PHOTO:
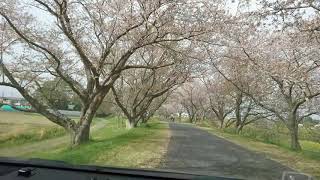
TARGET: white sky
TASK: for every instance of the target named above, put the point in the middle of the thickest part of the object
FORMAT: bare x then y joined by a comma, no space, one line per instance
43,18
9,92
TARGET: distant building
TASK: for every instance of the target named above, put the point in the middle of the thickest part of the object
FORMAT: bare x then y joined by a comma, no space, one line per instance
15,101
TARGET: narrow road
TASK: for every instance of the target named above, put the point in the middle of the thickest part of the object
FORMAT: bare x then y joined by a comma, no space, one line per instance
44,145
196,151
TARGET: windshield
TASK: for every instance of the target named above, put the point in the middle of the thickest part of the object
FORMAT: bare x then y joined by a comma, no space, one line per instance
220,88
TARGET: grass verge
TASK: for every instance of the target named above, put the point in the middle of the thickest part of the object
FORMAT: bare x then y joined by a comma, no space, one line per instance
18,128
306,161
33,136
114,145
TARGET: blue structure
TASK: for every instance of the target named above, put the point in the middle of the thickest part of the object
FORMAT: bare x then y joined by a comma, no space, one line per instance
9,108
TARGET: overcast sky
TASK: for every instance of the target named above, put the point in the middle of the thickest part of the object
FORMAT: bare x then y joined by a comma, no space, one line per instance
42,17
8,92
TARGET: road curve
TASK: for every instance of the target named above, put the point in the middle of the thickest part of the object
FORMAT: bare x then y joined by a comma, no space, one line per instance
196,151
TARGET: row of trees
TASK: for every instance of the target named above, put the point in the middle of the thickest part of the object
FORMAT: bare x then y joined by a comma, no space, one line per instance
238,66
287,92
259,70
92,45
264,67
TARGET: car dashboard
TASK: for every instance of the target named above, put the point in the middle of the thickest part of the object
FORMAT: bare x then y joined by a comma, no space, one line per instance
36,169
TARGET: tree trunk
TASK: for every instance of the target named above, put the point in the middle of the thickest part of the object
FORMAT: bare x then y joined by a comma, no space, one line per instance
82,132
203,117
239,128
82,135
130,123
238,121
196,119
238,113
221,123
294,131
144,120
191,118
180,116
295,144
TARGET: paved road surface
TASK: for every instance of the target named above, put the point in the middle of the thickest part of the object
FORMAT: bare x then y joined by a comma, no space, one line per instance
196,151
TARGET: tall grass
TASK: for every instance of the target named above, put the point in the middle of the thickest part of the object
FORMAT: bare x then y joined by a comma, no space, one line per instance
270,136
278,135
36,135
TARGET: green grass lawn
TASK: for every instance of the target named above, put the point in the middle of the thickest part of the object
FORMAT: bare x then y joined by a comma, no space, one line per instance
112,144
306,161
116,146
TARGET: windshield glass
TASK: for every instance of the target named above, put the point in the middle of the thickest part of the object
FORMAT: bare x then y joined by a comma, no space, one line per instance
220,88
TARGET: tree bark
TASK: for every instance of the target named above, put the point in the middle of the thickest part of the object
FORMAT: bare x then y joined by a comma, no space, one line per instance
238,112
130,123
221,120
191,119
221,124
180,116
239,128
144,120
221,114
82,135
82,132
294,133
295,144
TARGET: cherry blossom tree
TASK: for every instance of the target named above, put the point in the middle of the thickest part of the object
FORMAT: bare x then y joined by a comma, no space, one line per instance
87,44
284,78
140,92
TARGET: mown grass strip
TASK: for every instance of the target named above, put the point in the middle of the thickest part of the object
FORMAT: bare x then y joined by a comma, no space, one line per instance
117,146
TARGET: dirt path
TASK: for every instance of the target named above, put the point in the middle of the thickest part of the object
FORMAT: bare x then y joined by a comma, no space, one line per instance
44,145
193,150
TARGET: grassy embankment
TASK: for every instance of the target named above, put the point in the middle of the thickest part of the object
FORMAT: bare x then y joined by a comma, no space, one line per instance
141,147
110,145
274,143
18,128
